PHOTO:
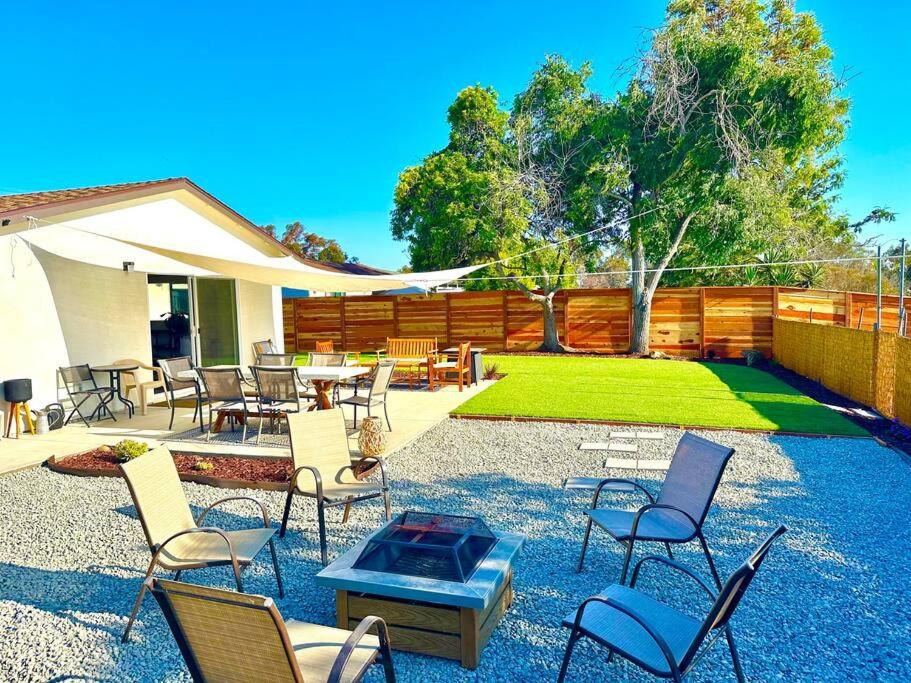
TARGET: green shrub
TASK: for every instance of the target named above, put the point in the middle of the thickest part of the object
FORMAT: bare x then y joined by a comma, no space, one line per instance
128,449
203,466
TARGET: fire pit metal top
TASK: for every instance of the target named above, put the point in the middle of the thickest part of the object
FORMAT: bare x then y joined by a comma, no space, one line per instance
444,547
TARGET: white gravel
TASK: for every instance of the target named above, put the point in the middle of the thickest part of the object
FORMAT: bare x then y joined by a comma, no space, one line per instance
831,602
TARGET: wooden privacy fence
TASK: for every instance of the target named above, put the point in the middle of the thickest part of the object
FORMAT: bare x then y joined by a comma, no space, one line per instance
873,368
696,322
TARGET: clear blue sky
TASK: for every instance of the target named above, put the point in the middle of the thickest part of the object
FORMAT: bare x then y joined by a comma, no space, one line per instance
310,110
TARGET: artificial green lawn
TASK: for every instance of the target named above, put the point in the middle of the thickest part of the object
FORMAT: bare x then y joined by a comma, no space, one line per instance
652,391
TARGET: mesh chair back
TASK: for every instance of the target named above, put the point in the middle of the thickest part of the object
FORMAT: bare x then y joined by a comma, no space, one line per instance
78,378
261,347
158,496
276,385
325,346
225,636
319,439
694,475
170,367
281,359
328,360
382,378
731,593
223,384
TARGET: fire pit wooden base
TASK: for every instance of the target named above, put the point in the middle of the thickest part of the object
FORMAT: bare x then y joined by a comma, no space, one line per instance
458,633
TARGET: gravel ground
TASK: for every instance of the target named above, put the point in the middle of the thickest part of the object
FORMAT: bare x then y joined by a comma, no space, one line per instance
831,602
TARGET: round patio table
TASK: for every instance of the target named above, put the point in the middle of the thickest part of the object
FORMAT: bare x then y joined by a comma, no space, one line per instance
114,370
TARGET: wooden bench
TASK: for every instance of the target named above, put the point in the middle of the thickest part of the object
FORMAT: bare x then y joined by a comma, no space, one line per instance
410,355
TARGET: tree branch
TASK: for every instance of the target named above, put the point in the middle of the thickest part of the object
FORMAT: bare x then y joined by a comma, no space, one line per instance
672,250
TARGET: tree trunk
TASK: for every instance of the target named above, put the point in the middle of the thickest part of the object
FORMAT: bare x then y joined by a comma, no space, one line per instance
551,335
642,316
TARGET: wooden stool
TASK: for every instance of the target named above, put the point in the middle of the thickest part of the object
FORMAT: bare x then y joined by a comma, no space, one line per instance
16,412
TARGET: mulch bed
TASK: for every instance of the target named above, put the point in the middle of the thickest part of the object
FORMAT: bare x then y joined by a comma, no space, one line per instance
225,468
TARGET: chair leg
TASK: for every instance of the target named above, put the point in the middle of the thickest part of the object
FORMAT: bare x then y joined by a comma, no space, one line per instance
347,511
588,531
136,605
738,669
708,557
386,413
669,553
281,533
355,415
278,572
177,574
626,560
323,549
387,504
573,639
173,409
237,579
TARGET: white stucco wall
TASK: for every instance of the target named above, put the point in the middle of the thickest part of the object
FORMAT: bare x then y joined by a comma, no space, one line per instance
257,319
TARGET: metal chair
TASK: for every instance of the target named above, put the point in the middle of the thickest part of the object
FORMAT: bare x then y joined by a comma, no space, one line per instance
177,541
655,636
682,506
170,367
323,469
225,387
325,360
278,394
280,359
80,382
265,346
379,386
224,636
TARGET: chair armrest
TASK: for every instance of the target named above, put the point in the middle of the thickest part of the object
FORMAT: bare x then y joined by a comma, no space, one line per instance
673,564
639,619
367,458
341,661
262,508
620,480
202,530
316,476
658,506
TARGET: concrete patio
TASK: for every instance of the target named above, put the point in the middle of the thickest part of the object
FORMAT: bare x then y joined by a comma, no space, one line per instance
411,413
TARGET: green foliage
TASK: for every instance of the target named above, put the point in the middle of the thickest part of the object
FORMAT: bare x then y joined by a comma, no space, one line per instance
203,466
128,449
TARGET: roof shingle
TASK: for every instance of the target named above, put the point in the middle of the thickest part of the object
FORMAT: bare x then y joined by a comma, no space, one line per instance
28,200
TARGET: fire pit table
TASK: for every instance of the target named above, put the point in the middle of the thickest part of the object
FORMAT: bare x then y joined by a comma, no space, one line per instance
441,582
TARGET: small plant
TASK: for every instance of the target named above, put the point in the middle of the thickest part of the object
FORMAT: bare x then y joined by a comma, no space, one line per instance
128,450
491,371
753,357
203,466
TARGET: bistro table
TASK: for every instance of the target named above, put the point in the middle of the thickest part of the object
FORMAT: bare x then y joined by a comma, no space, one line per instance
114,370
325,378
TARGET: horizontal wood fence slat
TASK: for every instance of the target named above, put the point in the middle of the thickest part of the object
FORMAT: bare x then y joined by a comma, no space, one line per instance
707,322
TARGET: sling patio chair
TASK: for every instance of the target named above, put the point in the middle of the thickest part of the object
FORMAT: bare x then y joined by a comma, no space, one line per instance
226,636
178,388
680,511
380,379
80,387
278,394
261,347
323,469
280,359
655,636
227,396
177,541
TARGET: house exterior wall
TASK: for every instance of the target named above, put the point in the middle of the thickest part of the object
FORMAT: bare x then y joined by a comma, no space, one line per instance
260,317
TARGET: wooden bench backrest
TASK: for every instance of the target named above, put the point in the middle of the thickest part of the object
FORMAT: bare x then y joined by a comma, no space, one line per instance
410,348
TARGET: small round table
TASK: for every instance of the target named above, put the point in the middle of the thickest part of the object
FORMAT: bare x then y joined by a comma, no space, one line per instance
114,371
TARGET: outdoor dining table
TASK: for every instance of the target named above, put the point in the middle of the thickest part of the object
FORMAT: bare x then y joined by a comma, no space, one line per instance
114,370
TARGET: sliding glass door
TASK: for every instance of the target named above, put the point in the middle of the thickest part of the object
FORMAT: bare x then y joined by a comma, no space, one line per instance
215,315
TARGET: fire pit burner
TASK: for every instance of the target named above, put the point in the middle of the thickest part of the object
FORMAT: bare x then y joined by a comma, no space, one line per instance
443,547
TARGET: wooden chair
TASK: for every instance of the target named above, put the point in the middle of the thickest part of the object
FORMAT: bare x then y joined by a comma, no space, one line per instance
451,371
130,380
177,541
225,636
327,346
323,469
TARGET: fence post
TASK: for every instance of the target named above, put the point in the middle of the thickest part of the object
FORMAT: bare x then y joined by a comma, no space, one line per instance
849,305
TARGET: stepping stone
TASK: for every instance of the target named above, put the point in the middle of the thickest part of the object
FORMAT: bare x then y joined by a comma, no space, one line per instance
637,464
648,436
605,446
591,483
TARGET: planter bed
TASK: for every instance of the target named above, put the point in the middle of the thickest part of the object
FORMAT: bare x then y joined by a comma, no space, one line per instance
228,471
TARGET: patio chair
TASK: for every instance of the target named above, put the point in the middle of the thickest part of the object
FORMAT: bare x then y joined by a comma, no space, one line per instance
130,380
655,636
451,371
682,506
283,359
278,394
80,387
325,360
261,347
170,367
224,636
327,346
177,541
225,395
380,379
323,469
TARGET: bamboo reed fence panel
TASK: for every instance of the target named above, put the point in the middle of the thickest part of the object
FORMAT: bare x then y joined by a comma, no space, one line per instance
676,322
884,373
736,319
902,393
598,319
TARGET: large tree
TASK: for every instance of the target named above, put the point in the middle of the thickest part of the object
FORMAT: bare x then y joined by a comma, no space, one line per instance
300,240
728,96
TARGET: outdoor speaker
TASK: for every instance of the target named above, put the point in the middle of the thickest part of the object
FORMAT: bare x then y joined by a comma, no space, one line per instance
17,390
